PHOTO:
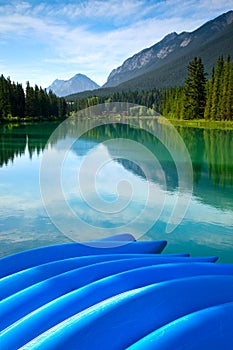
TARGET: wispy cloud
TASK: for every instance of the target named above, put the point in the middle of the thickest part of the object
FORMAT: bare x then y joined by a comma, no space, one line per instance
91,37
103,9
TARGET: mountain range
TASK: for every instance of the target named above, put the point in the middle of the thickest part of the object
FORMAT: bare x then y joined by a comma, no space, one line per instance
78,83
165,63
160,66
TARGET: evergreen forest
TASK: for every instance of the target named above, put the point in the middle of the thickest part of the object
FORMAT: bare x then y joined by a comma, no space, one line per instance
32,103
199,97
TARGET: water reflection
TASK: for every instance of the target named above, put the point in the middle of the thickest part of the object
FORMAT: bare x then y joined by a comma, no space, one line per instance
211,152
209,218
17,139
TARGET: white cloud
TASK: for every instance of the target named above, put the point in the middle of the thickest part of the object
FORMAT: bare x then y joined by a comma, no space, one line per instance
100,9
109,50
93,37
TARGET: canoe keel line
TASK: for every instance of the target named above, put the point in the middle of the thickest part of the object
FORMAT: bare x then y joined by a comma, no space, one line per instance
116,293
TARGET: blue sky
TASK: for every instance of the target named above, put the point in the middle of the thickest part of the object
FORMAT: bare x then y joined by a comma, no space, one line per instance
41,41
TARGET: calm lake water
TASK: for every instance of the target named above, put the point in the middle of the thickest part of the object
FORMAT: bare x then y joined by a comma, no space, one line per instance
105,183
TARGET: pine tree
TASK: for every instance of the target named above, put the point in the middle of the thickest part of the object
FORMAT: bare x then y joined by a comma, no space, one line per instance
30,101
4,97
20,101
229,102
194,90
223,103
215,108
209,91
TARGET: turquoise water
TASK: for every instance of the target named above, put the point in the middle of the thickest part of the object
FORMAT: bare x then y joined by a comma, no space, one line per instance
107,180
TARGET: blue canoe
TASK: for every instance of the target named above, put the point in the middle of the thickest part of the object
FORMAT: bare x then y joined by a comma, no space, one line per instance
210,328
23,260
67,305
118,322
114,293
20,280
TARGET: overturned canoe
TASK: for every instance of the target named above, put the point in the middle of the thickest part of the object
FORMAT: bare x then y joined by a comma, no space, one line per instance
113,293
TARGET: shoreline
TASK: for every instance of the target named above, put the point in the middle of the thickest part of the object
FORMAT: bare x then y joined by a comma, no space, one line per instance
202,123
194,123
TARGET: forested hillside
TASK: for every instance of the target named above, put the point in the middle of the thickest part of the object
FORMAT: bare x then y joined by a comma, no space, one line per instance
198,98
164,64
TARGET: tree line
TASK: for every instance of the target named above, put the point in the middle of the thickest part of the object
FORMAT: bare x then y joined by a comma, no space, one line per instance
33,102
198,98
201,98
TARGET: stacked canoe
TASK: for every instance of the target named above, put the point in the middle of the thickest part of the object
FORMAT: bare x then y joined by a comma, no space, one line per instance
114,293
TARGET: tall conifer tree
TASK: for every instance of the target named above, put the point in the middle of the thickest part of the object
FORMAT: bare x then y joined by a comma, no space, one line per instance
194,90
215,105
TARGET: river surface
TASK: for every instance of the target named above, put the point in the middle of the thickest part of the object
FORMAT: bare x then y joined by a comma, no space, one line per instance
115,178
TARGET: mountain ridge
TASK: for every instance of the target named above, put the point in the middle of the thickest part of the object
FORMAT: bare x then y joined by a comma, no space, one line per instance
212,39
174,71
172,46
78,83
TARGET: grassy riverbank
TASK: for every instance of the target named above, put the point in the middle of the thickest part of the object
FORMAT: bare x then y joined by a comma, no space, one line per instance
194,123
203,123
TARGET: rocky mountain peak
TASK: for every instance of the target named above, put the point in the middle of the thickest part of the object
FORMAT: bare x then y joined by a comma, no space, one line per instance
172,46
77,83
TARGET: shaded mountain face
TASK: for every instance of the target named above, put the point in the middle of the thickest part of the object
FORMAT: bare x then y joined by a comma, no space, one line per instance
210,40
76,84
